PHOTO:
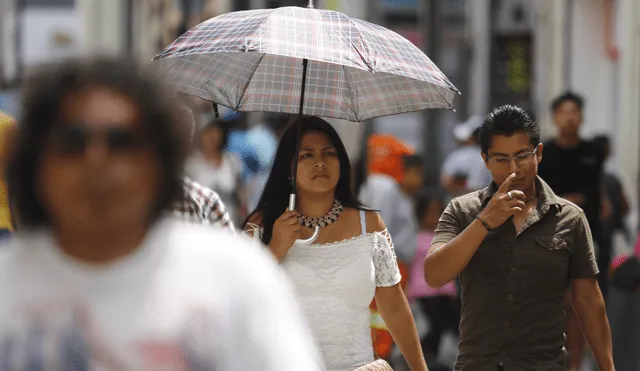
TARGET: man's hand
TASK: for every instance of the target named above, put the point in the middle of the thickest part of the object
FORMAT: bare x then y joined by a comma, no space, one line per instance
503,204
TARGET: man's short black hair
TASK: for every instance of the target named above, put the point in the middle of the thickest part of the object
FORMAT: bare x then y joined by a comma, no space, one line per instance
567,97
508,120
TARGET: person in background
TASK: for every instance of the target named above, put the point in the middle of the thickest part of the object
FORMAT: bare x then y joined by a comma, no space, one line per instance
573,168
198,204
440,305
383,191
519,250
216,168
463,170
617,198
97,277
7,131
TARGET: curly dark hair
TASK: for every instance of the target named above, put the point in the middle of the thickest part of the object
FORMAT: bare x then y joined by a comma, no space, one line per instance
43,96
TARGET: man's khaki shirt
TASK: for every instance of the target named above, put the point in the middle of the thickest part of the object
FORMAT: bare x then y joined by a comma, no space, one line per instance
513,288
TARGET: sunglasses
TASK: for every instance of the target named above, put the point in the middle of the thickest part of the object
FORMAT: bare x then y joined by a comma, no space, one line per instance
74,139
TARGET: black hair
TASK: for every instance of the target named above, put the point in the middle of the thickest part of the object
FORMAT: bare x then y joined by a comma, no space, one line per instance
44,94
508,120
603,143
223,126
422,202
567,97
275,196
411,161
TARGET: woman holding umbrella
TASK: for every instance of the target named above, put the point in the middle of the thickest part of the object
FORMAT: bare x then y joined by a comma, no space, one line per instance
351,262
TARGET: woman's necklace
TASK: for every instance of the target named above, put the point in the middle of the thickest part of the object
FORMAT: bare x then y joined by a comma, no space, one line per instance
322,221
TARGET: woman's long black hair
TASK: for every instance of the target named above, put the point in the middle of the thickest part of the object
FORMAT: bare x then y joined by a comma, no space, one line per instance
275,196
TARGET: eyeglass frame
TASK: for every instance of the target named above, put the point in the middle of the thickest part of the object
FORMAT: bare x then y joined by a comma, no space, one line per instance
520,159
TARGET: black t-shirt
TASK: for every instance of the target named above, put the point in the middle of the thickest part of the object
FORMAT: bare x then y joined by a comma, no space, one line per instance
575,170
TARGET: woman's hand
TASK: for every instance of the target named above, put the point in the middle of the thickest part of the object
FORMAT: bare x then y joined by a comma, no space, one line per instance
286,230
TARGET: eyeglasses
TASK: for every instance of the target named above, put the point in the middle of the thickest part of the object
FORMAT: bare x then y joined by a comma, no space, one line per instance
74,139
521,159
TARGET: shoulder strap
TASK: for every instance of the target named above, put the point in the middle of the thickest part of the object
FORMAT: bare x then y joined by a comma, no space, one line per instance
363,222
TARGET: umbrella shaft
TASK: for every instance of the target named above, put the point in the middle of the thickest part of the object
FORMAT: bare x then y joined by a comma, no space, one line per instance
305,62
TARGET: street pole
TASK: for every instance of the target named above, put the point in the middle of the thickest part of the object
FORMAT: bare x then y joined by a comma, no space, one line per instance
186,14
129,14
429,20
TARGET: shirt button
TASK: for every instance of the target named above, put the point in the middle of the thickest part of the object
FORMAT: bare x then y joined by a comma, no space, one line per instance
550,244
513,269
510,297
506,323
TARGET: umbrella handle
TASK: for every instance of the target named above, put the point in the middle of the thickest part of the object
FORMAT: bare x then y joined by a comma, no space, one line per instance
316,232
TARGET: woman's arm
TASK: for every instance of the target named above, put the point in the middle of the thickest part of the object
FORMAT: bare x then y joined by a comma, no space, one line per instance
390,299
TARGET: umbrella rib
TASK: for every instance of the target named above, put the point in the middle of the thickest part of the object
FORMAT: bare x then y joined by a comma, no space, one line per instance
246,87
351,91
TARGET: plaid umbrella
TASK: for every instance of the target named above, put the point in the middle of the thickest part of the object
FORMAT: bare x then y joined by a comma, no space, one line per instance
305,61
259,60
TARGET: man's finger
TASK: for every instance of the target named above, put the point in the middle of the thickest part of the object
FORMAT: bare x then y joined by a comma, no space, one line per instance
517,203
504,187
517,195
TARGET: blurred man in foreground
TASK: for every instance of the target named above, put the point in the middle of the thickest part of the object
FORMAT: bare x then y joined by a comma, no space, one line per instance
98,278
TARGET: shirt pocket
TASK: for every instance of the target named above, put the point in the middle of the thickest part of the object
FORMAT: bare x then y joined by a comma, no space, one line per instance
550,257
557,242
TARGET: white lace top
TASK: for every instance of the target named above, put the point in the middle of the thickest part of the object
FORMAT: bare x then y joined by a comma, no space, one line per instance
335,283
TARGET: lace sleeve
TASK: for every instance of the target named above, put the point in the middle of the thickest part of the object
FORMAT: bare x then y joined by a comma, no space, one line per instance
253,232
384,260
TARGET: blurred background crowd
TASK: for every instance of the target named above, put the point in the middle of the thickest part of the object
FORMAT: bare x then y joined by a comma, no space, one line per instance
522,52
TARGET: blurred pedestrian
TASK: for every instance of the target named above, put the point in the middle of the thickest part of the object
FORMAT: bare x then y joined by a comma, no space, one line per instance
352,259
388,188
96,276
463,170
7,132
616,196
573,168
198,204
519,250
216,168
440,305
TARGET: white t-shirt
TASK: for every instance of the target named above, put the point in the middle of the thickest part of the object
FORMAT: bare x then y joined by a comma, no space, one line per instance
191,298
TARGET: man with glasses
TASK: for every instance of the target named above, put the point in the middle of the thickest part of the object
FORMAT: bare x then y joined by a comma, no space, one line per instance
518,248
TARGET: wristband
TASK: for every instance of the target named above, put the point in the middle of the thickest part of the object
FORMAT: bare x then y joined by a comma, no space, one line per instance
484,224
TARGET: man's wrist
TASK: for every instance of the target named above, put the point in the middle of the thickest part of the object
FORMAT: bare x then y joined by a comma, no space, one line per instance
484,223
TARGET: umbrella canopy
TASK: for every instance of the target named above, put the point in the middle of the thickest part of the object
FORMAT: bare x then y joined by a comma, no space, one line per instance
353,70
